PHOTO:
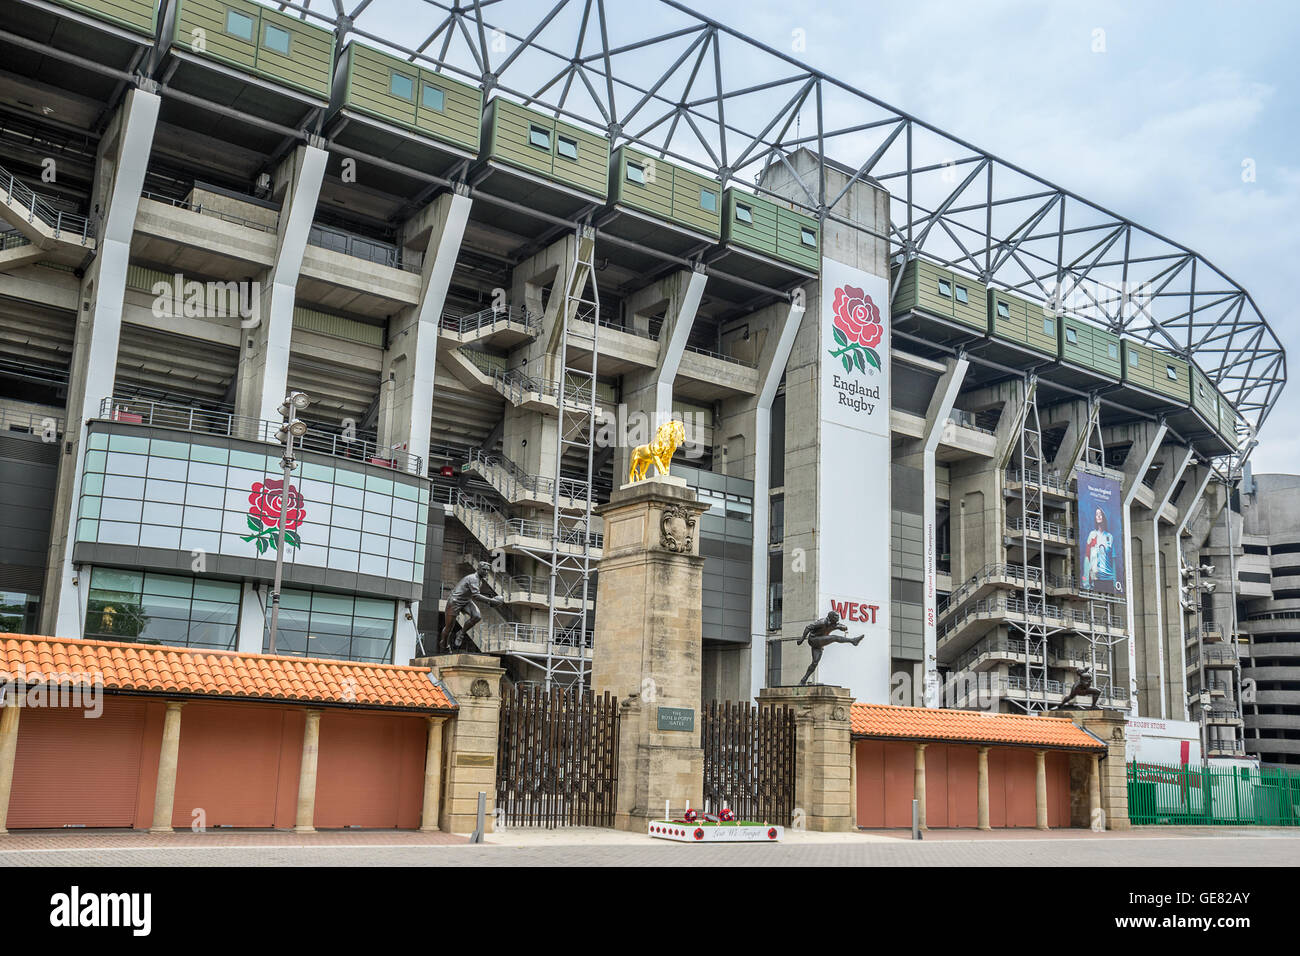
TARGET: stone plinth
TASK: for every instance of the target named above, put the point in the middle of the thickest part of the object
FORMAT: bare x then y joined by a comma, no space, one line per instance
1109,726
823,753
648,647
469,752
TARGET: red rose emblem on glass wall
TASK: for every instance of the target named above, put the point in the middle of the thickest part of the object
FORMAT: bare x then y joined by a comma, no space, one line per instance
267,504
857,329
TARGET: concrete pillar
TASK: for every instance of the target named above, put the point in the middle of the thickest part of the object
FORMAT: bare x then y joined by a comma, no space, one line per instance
164,797
648,616
1187,504
432,776
1146,444
1164,585
823,753
9,715
773,367
121,162
305,818
918,783
473,681
982,795
1040,788
264,348
1094,788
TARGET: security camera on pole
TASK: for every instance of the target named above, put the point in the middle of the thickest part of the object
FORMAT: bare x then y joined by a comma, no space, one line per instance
292,428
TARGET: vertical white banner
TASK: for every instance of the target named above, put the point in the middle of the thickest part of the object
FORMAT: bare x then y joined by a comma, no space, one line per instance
853,521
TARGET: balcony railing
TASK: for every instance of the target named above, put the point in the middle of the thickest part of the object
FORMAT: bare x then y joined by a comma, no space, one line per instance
1055,482
1226,746
488,319
970,420
512,481
205,421
66,225
1051,528
500,637
214,213
361,247
719,355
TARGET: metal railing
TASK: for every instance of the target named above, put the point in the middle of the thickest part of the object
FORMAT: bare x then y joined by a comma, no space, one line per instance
1017,608
492,528
489,319
1011,572
23,418
970,420
1047,527
1049,480
206,421
513,482
1208,796
698,350
203,210
499,637
41,210
361,247
12,239
517,386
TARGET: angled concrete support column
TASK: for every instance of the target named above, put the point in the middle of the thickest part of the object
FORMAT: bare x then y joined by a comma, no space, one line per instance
1187,504
406,394
122,161
1135,470
773,367
936,422
1175,461
164,797
673,345
264,349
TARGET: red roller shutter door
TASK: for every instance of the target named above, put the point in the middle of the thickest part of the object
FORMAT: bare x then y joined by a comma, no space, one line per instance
370,770
238,765
71,769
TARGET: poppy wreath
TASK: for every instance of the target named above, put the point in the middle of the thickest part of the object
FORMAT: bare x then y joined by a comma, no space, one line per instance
726,815
857,330
690,816
267,501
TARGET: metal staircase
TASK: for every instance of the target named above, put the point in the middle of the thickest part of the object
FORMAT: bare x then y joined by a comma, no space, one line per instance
1033,620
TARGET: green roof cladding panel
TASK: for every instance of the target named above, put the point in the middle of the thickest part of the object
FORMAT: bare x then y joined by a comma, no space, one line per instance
938,291
1157,371
1089,347
278,47
370,89
1022,322
665,190
763,226
1205,397
531,141
798,239
138,16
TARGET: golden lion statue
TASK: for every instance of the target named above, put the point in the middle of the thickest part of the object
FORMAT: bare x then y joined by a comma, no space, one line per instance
668,438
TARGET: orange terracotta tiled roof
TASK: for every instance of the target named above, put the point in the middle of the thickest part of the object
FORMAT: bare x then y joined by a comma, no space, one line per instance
158,669
929,723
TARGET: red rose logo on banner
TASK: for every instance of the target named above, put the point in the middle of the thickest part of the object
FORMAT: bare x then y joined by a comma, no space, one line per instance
857,329
267,503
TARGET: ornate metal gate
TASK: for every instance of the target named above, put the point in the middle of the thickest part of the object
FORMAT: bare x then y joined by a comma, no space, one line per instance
749,760
557,758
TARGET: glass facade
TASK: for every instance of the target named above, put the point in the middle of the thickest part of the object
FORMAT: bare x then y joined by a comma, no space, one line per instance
148,608
19,612
322,624
182,496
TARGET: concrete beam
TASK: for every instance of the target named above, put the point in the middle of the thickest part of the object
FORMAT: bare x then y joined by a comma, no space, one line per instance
1176,461
772,368
673,344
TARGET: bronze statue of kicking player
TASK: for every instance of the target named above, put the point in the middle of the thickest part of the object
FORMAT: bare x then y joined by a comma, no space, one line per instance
820,633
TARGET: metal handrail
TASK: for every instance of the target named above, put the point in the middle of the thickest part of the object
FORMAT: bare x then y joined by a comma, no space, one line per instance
39,209
964,419
1055,482
1036,524
516,385
34,421
492,528
490,318
514,479
206,421
214,213
698,350
495,636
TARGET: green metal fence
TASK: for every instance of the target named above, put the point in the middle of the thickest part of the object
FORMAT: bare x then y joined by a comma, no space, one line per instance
1208,796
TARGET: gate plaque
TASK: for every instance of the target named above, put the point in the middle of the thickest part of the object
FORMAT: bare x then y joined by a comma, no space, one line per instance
676,718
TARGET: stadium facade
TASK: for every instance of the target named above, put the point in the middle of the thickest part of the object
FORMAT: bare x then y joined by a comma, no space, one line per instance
496,260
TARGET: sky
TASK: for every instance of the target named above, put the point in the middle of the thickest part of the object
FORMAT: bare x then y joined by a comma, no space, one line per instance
1155,127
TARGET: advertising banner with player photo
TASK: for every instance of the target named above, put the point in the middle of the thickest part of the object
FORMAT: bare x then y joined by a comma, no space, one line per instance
1101,535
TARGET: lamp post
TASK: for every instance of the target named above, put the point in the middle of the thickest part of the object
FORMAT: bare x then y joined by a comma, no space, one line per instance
292,428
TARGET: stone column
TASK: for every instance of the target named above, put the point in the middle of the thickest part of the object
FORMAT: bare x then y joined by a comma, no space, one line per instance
1094,788
164,796
473,681
432,776
9,715
823,753
305,821
1112,779
983,795
918,784
1040,788
649,647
